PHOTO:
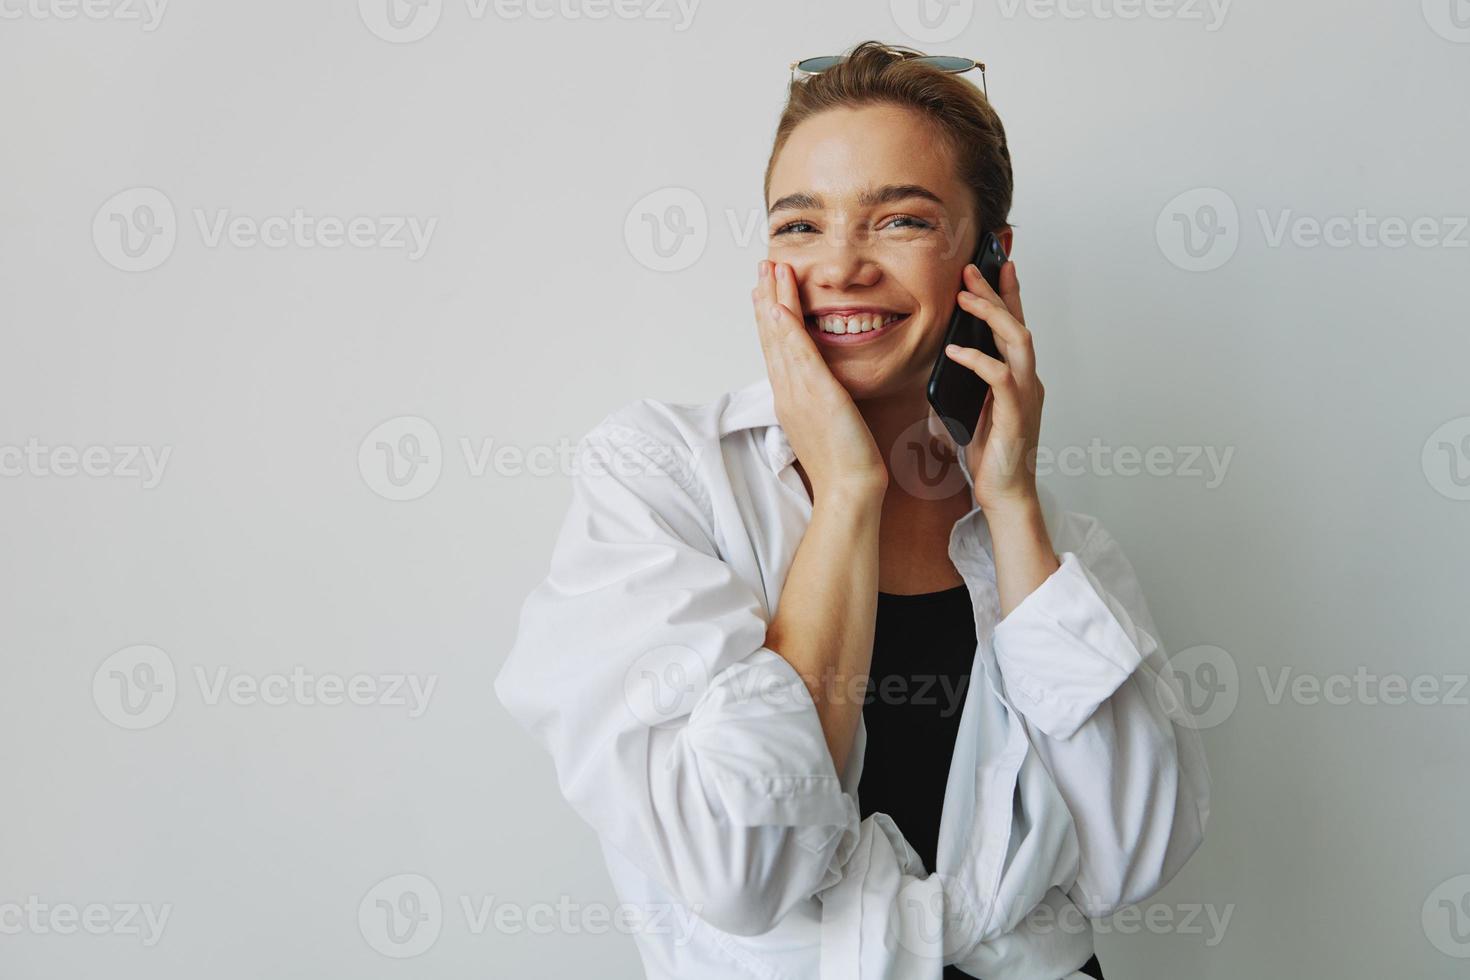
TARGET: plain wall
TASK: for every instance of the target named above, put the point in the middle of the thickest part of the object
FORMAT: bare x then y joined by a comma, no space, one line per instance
544,148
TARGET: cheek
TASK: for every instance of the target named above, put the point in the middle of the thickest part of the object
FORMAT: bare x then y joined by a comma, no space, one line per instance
936,293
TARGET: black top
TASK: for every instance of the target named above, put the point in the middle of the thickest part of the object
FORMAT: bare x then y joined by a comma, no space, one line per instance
922,649
923,646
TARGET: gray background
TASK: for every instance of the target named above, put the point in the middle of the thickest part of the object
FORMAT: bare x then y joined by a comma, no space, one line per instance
543,147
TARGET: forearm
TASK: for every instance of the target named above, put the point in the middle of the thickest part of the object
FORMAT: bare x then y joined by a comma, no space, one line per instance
1023,552
824,622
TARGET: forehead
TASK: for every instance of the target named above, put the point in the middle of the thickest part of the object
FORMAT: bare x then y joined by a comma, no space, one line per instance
838,153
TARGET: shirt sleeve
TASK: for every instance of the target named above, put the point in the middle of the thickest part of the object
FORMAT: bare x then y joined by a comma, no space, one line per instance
1082,664
640,664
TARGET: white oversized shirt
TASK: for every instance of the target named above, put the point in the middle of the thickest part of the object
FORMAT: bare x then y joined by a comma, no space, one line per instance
1077,784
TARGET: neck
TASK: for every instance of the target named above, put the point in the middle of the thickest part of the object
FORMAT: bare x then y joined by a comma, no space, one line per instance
922,470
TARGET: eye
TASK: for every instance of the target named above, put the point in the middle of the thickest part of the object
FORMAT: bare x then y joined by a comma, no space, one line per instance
793,228
909,222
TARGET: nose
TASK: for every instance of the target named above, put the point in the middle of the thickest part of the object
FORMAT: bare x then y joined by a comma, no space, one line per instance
839,265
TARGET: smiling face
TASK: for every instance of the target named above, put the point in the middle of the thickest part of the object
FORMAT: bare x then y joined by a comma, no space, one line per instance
867,208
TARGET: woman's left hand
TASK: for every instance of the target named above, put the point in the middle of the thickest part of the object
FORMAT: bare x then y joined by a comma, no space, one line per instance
1002,456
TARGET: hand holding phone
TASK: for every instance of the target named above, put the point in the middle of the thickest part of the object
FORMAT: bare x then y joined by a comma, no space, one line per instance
956,393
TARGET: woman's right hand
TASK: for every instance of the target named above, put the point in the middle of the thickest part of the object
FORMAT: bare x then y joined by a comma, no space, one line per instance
826,431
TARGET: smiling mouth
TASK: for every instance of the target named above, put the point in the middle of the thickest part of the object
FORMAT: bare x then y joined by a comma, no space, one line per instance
856,324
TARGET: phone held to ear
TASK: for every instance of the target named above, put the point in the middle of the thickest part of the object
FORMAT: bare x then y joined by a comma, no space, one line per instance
956,392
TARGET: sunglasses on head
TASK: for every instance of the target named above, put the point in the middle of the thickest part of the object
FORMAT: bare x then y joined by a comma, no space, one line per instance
944,62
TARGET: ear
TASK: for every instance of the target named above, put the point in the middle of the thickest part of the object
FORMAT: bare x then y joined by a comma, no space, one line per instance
1006,238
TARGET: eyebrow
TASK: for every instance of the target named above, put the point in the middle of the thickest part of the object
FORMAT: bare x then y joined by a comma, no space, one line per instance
887,194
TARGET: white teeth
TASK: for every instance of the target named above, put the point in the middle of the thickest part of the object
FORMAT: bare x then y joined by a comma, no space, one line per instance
856,323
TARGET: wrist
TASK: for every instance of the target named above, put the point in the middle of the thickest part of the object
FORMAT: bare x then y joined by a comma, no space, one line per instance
862,495
1020,510
1019,526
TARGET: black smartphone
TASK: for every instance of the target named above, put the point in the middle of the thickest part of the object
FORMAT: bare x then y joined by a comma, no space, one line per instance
956,392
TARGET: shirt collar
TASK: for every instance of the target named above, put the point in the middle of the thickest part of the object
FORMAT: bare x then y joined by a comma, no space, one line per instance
754,407
749,407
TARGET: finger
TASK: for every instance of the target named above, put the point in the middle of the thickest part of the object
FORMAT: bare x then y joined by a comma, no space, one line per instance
1010,288
1010,291
1010,333
995,373
787,338
786,292
774,301
977,284
759,301
767,324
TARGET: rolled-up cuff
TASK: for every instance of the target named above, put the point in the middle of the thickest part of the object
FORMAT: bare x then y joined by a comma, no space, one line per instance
1062,651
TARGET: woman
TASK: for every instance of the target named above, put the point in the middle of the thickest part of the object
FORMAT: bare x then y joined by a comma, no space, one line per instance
739,583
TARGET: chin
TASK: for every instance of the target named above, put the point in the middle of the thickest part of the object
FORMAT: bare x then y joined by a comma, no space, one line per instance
869,381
